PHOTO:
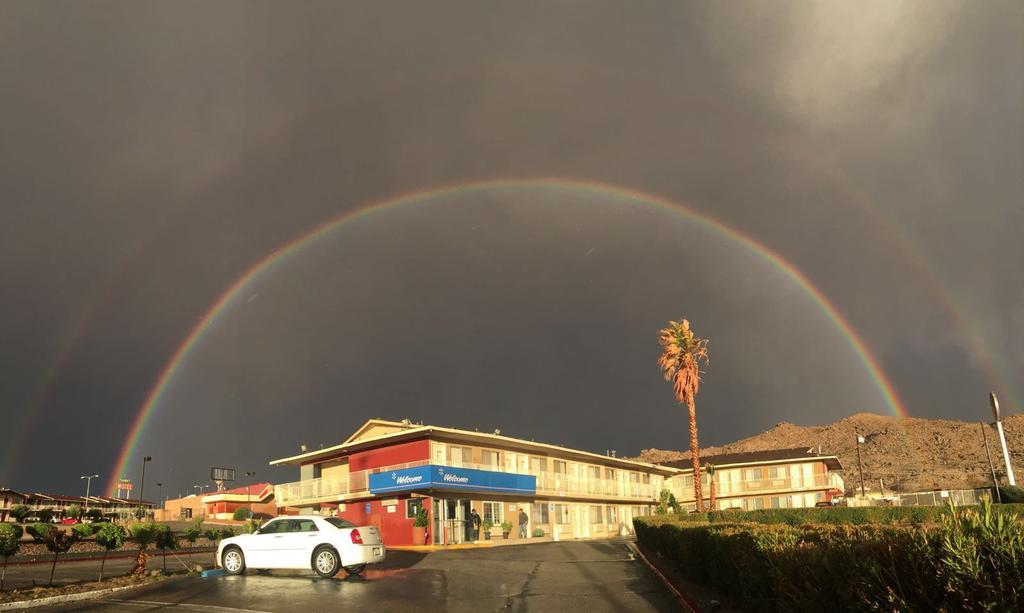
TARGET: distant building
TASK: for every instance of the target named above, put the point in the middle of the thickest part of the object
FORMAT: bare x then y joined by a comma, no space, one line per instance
774,479
58,504
221,505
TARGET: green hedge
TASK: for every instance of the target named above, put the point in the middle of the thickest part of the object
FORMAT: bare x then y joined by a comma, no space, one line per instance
972,560
836,515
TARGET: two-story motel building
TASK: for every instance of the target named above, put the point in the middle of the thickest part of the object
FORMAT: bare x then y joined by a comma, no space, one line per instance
387,470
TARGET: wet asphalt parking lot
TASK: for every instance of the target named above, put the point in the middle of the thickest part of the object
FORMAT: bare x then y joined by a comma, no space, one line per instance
583,576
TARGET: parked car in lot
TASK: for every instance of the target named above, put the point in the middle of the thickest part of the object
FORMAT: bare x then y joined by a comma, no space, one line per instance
70,521
323,544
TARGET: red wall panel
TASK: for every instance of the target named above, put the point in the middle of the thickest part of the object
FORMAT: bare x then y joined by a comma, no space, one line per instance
395,528
413,451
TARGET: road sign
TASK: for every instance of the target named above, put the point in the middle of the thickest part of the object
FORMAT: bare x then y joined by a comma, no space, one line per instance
222,474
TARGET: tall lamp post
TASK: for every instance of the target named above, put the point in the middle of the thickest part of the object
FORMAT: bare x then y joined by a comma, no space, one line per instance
88,484
142,484
159,493
860,467
994,402
248,492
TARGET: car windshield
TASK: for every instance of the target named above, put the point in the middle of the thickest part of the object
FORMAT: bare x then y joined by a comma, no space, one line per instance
337,522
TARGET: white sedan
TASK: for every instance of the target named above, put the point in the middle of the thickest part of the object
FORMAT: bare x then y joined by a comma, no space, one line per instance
325,544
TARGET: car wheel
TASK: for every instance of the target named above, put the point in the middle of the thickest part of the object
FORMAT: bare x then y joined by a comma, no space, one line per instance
355,569
325,561
233,561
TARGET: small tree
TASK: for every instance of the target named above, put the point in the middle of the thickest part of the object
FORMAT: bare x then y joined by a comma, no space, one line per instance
45,515
10,542
58,542
109,537
193,532
165,540
74,511
240,514
139,513
142,534
20,512
94,514
667,502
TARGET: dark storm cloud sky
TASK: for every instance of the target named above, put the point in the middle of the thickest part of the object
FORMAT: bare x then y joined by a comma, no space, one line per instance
149,154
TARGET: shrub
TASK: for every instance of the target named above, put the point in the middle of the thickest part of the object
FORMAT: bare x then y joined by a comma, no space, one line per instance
82,531
38,531
20,512
44,516
835,515
10,542
240,514
74,511
969,561
227,533
139,513
94,514
421,519
506,527
538,532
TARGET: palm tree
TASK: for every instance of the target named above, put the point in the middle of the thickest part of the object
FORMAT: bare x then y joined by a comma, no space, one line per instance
681,355
711,487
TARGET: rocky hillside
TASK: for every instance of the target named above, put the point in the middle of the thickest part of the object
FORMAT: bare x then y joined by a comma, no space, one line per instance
911,454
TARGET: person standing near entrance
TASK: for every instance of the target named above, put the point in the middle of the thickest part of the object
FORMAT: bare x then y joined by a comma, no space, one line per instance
524,519
474,523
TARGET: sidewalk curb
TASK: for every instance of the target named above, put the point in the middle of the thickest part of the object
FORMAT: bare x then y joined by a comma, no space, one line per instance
49,600
429,548
688,605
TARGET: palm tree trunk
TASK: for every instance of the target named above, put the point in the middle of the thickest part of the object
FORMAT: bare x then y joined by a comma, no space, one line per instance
695,458
711,489
53,567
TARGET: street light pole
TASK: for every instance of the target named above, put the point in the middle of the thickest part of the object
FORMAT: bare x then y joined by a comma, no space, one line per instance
142,484
991,467
860,467
159,492
248,492
88,484
994,402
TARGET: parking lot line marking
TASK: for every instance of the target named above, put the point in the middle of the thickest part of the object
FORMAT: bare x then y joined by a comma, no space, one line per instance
195,607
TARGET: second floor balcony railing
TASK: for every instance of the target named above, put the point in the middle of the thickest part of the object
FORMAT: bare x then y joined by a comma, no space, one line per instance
548,484
683,489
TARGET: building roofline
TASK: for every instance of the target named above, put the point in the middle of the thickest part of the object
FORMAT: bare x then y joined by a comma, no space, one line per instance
417,430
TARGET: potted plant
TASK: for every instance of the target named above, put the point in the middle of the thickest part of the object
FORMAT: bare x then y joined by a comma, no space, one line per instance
506,529
487,529
419,527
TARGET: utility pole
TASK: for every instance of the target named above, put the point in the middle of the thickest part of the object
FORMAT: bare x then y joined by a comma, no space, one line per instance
991,467
88,484
992,400
248,492
142,485
860,467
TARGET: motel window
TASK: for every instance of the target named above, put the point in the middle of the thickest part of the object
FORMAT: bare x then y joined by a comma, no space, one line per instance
609,474
540,513
492,512
489,458
561,514
757,503
559,467
538,465
778,472
595,514
752,474
460,456
594,472
412,507
613,515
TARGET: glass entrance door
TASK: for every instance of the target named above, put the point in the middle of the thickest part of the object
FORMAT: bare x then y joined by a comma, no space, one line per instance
451,521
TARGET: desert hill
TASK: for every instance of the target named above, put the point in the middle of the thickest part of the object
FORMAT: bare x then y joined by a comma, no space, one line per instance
912,454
